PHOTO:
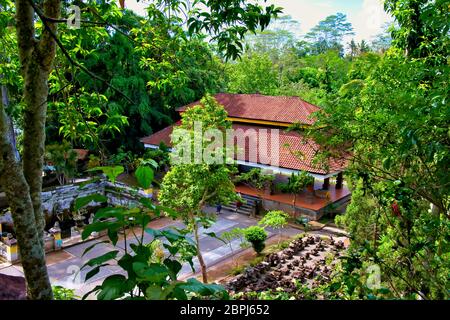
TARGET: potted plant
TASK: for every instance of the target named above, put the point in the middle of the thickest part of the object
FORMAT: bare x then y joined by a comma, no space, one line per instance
257,237
268,184
305,180
258,180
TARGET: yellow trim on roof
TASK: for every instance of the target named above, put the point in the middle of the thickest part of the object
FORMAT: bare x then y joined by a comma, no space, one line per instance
263,122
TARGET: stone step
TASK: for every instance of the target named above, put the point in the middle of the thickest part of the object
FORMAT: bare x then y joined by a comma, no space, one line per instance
248,197
242,210
242,207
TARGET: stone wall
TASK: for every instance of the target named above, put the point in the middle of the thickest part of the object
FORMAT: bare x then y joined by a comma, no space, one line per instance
62,198
56,200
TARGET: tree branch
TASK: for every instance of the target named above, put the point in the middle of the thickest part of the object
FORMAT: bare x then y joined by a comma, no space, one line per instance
71,60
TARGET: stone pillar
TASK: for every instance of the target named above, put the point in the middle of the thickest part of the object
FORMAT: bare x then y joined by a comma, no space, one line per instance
56,233
339,180
12,250
326,184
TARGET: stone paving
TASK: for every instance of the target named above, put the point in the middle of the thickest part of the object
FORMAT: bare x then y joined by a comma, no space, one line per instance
64,266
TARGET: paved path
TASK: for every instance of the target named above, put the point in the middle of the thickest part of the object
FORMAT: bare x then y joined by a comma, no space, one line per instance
64,266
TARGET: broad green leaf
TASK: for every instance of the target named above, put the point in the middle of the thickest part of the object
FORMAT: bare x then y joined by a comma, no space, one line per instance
109,212
113,287
94,271
111,172
154,273
213,235
154,292
174,267
144,176
101,259
148,203
83,201
92,247
195,286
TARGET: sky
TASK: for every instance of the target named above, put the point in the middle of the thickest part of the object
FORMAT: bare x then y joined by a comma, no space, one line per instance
366,16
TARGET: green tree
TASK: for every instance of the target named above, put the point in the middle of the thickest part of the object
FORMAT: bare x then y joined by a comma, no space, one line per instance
232,235
424,27
188,187
150,273
397,131
257,236
297,183
64,159
276,220
253,74
382,41
37,43
276,40
329,33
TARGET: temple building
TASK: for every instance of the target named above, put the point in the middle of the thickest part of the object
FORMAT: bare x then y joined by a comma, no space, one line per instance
259,118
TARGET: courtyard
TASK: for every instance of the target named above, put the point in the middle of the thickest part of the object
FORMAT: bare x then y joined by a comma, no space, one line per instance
64,266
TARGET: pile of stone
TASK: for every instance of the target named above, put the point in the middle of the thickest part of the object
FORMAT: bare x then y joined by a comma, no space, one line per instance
307,261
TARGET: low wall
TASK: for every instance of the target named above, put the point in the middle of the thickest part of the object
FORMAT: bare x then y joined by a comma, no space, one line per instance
62,198
270,205
339,206
57,199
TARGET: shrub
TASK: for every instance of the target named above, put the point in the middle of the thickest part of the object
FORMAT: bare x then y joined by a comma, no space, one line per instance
64,159
275,219
61,293
257,237
256,178
94,162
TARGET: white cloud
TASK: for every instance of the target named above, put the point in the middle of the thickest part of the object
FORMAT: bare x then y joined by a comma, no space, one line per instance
137,7
366,16
369,20
307,12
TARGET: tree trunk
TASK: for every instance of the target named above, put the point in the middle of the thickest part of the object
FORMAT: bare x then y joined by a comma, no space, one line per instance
199,254
23,181
9,122
18,196
36,58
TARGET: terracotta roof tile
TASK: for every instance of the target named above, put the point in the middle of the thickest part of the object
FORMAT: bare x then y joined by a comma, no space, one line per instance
267,108
158,137
294,151
82,154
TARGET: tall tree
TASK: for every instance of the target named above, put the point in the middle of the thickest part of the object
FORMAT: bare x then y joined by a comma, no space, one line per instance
329,33
396,127
255,73
23,181
190,185
422,26
37,44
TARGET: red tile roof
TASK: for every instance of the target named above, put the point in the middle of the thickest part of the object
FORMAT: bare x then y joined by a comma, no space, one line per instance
82,154
267,108
158,137
294,151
